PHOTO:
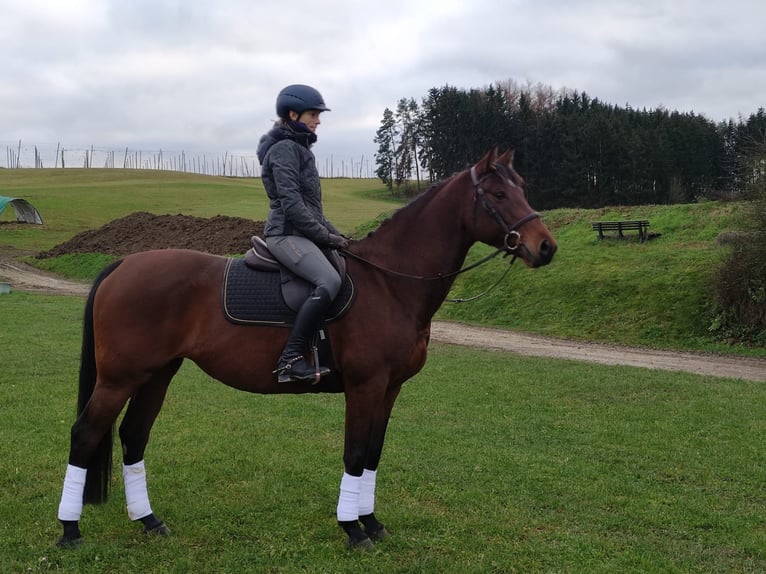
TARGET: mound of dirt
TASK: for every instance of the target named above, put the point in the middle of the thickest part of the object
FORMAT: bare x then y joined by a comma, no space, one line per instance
141,231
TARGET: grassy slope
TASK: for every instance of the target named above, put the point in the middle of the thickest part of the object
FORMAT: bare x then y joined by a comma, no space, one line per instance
73,200
653,294
493,463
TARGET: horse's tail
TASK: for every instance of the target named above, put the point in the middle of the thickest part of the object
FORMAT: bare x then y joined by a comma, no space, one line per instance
100,467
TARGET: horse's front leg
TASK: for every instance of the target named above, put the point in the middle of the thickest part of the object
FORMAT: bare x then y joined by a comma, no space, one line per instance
372,526
367,416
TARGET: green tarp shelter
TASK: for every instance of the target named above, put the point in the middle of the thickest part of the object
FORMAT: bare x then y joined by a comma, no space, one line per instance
25,211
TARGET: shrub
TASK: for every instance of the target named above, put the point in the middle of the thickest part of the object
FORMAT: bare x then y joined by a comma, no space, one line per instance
740,283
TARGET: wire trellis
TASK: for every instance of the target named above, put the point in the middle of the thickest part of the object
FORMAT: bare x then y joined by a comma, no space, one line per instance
19,155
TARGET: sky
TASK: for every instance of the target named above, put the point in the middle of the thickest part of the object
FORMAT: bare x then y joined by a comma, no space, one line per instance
201,75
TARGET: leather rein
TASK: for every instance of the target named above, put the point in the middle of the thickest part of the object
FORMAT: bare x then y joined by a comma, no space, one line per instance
511,242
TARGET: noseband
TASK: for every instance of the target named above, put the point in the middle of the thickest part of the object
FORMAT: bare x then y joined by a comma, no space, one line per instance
512,236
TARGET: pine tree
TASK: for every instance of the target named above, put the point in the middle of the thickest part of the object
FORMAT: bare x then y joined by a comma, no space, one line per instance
385,137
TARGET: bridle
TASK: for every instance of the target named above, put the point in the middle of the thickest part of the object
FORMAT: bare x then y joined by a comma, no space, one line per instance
511,242
511,233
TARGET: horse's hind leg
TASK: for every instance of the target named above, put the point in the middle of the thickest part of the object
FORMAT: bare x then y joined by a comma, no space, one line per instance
136,425
90,459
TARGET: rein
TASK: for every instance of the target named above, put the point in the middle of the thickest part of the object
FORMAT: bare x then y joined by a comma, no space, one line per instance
440,276
437,277
508,248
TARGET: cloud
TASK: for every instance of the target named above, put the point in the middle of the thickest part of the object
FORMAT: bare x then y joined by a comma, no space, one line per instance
200,76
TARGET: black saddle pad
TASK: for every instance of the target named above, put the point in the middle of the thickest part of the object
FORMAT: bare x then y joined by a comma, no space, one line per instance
252,297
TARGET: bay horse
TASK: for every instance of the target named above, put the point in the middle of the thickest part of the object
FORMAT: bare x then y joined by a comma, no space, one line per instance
149,311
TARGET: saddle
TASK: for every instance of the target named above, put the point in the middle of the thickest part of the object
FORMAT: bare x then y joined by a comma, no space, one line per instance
258,290
295,289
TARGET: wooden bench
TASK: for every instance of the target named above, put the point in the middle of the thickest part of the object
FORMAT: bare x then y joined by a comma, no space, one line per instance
642,226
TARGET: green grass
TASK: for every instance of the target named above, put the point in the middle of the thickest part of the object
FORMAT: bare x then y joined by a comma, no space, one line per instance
494,463
73,200
79,266
654,294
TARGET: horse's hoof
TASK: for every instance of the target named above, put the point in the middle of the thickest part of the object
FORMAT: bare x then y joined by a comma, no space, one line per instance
66,542
153,525
364,544
71,537
160,529
379,534
357,538
373,528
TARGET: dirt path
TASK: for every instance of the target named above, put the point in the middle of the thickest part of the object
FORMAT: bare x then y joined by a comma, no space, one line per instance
26,278
748,368
23,277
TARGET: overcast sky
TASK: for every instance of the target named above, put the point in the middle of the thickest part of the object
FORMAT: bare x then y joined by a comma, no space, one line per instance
194,75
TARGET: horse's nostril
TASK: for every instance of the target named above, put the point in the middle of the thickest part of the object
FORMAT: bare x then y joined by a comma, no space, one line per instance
547,249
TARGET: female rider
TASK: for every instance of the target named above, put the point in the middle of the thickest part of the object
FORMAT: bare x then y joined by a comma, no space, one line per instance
296,227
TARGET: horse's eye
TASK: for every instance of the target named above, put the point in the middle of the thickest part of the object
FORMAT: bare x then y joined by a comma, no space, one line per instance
499,194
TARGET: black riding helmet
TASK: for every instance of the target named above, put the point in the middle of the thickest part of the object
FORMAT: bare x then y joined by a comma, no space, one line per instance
299,98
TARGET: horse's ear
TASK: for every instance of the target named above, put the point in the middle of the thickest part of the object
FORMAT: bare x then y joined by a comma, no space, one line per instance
487,163
507,158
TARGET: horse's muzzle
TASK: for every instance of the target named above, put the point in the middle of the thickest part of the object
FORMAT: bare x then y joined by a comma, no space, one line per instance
542,255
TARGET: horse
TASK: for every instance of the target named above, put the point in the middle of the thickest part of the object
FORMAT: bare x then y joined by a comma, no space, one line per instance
149,311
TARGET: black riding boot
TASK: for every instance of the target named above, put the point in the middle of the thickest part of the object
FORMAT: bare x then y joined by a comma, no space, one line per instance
293,366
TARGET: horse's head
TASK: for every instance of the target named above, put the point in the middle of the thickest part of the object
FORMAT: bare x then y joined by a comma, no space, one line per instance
501,216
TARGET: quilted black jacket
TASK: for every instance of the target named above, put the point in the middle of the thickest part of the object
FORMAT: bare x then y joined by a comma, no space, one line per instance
291,179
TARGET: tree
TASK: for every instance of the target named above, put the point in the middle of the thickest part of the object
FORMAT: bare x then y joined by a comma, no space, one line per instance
406,149
443,129
573,150
752,147
740,283
384,158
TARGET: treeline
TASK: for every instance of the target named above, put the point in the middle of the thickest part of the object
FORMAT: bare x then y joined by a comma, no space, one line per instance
572,149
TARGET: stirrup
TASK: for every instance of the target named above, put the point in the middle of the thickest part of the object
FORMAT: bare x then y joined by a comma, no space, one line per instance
285,373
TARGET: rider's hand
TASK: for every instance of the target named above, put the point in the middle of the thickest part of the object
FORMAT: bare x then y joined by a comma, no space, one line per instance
337,241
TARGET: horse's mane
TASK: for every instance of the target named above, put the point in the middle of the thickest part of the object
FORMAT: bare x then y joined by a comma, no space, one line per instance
503,169
413,205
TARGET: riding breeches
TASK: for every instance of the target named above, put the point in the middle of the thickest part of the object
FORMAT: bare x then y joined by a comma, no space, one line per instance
302,256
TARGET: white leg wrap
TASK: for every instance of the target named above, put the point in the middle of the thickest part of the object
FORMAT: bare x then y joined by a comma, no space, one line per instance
348,501
70,507
367,493
136,495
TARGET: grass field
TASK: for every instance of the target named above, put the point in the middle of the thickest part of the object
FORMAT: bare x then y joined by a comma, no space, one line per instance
494,463
73,200
654,294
